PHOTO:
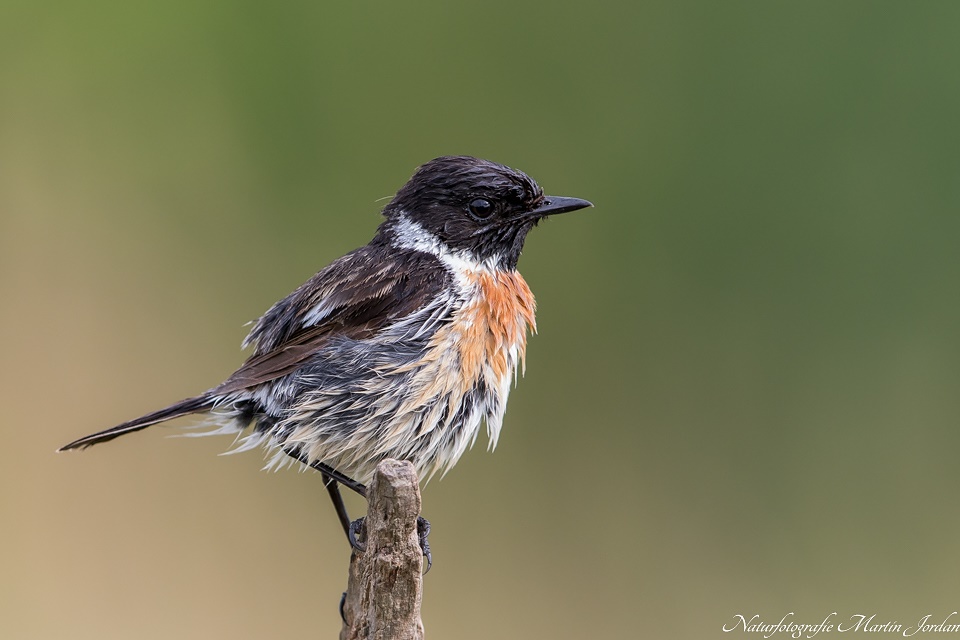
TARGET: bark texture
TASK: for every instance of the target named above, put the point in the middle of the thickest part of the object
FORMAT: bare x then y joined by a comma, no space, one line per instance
385,585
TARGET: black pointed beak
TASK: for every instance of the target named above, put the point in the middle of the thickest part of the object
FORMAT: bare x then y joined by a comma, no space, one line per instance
551,205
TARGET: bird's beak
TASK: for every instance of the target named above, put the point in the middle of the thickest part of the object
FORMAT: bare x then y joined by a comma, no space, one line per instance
551,205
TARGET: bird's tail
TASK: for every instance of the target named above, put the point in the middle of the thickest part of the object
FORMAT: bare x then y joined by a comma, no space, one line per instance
182,408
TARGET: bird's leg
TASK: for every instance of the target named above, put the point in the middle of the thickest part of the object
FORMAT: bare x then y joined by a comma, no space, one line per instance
333,488
349,483
331,480
354,530
349,528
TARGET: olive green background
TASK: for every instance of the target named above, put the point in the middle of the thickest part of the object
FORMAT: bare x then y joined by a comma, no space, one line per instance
744,394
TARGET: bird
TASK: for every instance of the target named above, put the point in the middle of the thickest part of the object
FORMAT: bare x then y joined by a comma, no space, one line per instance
399,349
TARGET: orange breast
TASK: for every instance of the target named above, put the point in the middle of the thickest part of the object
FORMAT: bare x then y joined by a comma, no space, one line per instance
493,326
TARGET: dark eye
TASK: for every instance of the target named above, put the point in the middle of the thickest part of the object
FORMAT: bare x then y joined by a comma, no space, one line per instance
481,208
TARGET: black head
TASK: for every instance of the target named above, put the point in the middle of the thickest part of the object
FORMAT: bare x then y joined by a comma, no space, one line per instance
477,206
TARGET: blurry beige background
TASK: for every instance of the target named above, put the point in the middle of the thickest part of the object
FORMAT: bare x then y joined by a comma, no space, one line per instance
743,398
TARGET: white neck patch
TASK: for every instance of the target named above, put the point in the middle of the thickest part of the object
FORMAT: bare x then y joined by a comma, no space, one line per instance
411,235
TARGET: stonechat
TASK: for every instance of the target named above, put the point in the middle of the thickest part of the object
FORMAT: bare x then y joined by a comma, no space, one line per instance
399,349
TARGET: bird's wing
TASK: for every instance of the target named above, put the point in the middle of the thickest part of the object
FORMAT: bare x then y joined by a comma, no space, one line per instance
354,297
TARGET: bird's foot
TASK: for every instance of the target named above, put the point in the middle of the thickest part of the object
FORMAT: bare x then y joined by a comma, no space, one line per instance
356,532
423,531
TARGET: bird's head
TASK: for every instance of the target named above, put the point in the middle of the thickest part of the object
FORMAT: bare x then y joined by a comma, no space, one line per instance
473,206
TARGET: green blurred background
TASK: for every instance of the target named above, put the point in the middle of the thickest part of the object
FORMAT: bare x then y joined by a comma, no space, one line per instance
743,397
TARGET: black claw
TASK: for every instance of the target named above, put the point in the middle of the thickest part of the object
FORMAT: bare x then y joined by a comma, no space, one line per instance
343,601
356,529
423,531
355,532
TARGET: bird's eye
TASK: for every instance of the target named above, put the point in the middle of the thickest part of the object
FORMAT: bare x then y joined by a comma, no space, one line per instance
481,208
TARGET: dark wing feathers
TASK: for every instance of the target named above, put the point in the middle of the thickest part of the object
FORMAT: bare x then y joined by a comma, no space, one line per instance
353,297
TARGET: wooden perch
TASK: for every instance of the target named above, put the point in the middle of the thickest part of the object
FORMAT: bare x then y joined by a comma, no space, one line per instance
385,587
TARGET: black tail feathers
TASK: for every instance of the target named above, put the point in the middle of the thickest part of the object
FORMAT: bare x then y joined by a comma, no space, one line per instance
182,408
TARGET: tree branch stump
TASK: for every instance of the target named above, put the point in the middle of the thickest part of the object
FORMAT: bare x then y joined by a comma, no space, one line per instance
385,587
